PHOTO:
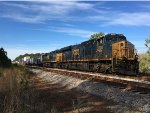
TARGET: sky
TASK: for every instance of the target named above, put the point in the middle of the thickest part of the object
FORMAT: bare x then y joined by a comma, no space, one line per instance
40,27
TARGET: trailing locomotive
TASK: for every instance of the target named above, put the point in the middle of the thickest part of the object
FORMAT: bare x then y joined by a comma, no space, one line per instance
111,53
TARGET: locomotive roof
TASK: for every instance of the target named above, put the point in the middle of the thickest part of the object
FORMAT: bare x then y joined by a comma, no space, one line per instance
111,35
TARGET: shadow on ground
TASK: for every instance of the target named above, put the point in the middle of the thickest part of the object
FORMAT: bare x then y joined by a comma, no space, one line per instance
44,97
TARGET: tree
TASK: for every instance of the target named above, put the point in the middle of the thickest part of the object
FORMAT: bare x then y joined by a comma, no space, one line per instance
36,55
147,44
97,35
4,60
144,59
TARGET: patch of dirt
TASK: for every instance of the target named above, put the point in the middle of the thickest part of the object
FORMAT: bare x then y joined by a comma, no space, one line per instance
53,98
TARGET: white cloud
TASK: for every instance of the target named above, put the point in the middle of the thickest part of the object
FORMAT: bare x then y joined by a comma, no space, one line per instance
99,18
70,31
131,19
39,12
121,18
74,31
26,19
43,11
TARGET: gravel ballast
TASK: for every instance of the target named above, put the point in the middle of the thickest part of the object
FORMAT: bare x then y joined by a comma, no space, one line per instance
127,101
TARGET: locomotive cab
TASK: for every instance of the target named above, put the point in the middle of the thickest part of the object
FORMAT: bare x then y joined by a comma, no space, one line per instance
123,49
124,59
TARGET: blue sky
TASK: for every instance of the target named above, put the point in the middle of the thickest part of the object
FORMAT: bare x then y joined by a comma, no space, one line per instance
31,27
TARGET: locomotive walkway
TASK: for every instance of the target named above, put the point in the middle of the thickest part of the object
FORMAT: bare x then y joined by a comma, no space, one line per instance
130,83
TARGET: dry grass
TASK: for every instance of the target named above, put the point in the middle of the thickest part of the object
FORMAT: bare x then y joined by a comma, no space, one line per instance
13,83
20,92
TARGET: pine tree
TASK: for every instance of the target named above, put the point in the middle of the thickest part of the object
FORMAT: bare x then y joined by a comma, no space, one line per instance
4,60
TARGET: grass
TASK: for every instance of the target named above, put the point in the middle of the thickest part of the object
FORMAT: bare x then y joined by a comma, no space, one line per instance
13,84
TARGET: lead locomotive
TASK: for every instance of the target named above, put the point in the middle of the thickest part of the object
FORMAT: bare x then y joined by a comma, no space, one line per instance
110,53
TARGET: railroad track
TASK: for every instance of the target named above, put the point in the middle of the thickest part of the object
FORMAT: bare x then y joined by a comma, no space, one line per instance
134,85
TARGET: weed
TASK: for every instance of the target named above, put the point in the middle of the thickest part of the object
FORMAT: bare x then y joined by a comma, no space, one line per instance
13,83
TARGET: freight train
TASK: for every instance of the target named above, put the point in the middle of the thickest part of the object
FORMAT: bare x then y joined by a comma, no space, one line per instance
111,53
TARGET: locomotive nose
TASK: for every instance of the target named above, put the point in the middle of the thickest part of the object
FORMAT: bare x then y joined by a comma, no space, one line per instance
123,49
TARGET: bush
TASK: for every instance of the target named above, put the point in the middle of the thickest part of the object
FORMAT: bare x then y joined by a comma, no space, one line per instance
144,63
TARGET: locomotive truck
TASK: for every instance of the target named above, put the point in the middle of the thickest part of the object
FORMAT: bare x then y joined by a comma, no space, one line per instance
111,53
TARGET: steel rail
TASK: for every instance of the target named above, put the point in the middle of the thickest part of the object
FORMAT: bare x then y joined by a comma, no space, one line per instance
133,83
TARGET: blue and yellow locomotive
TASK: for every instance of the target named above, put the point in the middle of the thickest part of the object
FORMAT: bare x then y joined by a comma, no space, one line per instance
110,53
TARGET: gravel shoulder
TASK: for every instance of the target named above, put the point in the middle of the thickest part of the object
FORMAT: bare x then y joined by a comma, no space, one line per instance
105,98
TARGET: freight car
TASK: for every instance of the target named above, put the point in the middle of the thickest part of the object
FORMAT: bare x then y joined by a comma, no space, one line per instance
36,61
111,53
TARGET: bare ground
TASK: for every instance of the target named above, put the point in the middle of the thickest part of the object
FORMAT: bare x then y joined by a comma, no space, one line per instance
53,98
121,100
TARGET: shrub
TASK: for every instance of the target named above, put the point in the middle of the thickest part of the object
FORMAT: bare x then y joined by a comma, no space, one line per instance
144,63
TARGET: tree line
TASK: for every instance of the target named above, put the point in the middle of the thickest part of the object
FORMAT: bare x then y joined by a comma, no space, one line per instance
30,55
4,60
144,58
